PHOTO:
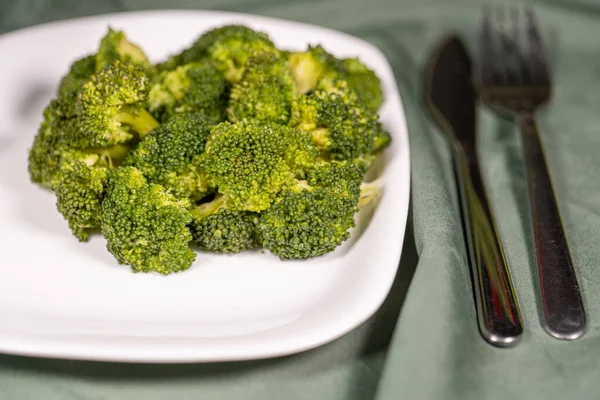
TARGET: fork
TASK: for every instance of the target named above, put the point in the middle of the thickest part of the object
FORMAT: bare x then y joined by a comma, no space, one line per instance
513,78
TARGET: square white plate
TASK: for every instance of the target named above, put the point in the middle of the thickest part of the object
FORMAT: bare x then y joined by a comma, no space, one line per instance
61,298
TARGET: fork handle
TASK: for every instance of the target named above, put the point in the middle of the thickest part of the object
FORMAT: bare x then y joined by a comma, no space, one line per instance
498,313
560,297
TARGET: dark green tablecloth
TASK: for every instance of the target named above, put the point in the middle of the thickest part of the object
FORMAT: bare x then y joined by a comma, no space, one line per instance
423,343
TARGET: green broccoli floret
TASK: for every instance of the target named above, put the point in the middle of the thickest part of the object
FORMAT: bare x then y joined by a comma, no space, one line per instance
145,226
250,161
52,154
311,66
194,87
115,46
340,125
169,156
316,66
364,82
218,229
111,107
70,84
265,91
313,216
229,46
78,198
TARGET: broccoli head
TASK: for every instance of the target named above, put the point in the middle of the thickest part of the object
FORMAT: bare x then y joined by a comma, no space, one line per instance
78,197
250,161
364,82
217,229
265,90
70,84
311,66
51,153
340,125
115,46
111,107
313,216
193,87
169,156
145,226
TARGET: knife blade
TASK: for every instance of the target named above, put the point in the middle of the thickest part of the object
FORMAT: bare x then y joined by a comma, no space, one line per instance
450,97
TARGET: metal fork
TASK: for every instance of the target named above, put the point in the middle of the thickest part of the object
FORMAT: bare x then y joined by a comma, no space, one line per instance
513,78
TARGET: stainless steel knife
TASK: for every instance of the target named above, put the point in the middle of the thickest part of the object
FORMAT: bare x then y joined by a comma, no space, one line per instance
450,97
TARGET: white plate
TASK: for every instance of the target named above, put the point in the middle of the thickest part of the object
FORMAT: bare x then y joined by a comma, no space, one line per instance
61,298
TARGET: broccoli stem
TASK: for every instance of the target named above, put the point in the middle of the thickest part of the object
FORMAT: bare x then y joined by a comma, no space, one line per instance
206,209
369,191
112,155
140,120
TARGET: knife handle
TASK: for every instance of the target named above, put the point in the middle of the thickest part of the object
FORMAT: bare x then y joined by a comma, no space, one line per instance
562,304
497,309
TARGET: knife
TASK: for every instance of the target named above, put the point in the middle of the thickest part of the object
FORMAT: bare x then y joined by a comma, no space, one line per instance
450,97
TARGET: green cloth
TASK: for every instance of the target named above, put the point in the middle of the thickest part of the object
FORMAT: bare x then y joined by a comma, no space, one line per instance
423,343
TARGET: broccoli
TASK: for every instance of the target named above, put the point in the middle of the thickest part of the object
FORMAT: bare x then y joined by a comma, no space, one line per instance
313,216
194,87
169,156
145,226
311,66
218,229
51,154
70,84
229,46
364,82
316,66
340,125
111,107
115,46
265,91
78,198
250,161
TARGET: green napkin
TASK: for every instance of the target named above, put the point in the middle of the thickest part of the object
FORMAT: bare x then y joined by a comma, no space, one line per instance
423,343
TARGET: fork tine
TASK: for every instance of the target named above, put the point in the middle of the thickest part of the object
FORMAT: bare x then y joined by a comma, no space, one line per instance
539,65
486,49
515,36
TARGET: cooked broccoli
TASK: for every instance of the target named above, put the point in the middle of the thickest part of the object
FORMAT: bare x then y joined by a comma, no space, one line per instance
169,156
111,106
250,161
364,82
145,226
340,125
51,153
78,198
194,87
229,46
115,46
316,66
218,229
265,91
311,66
231,145
313,216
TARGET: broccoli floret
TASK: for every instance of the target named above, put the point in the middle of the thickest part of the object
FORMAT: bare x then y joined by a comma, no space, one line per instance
115,46
145,226
229,46
340,125
250,161
311,66
79,72
111,107
265,91
364,82
169,155
316,66
218,229
194,87
51,153
313,216
78,198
